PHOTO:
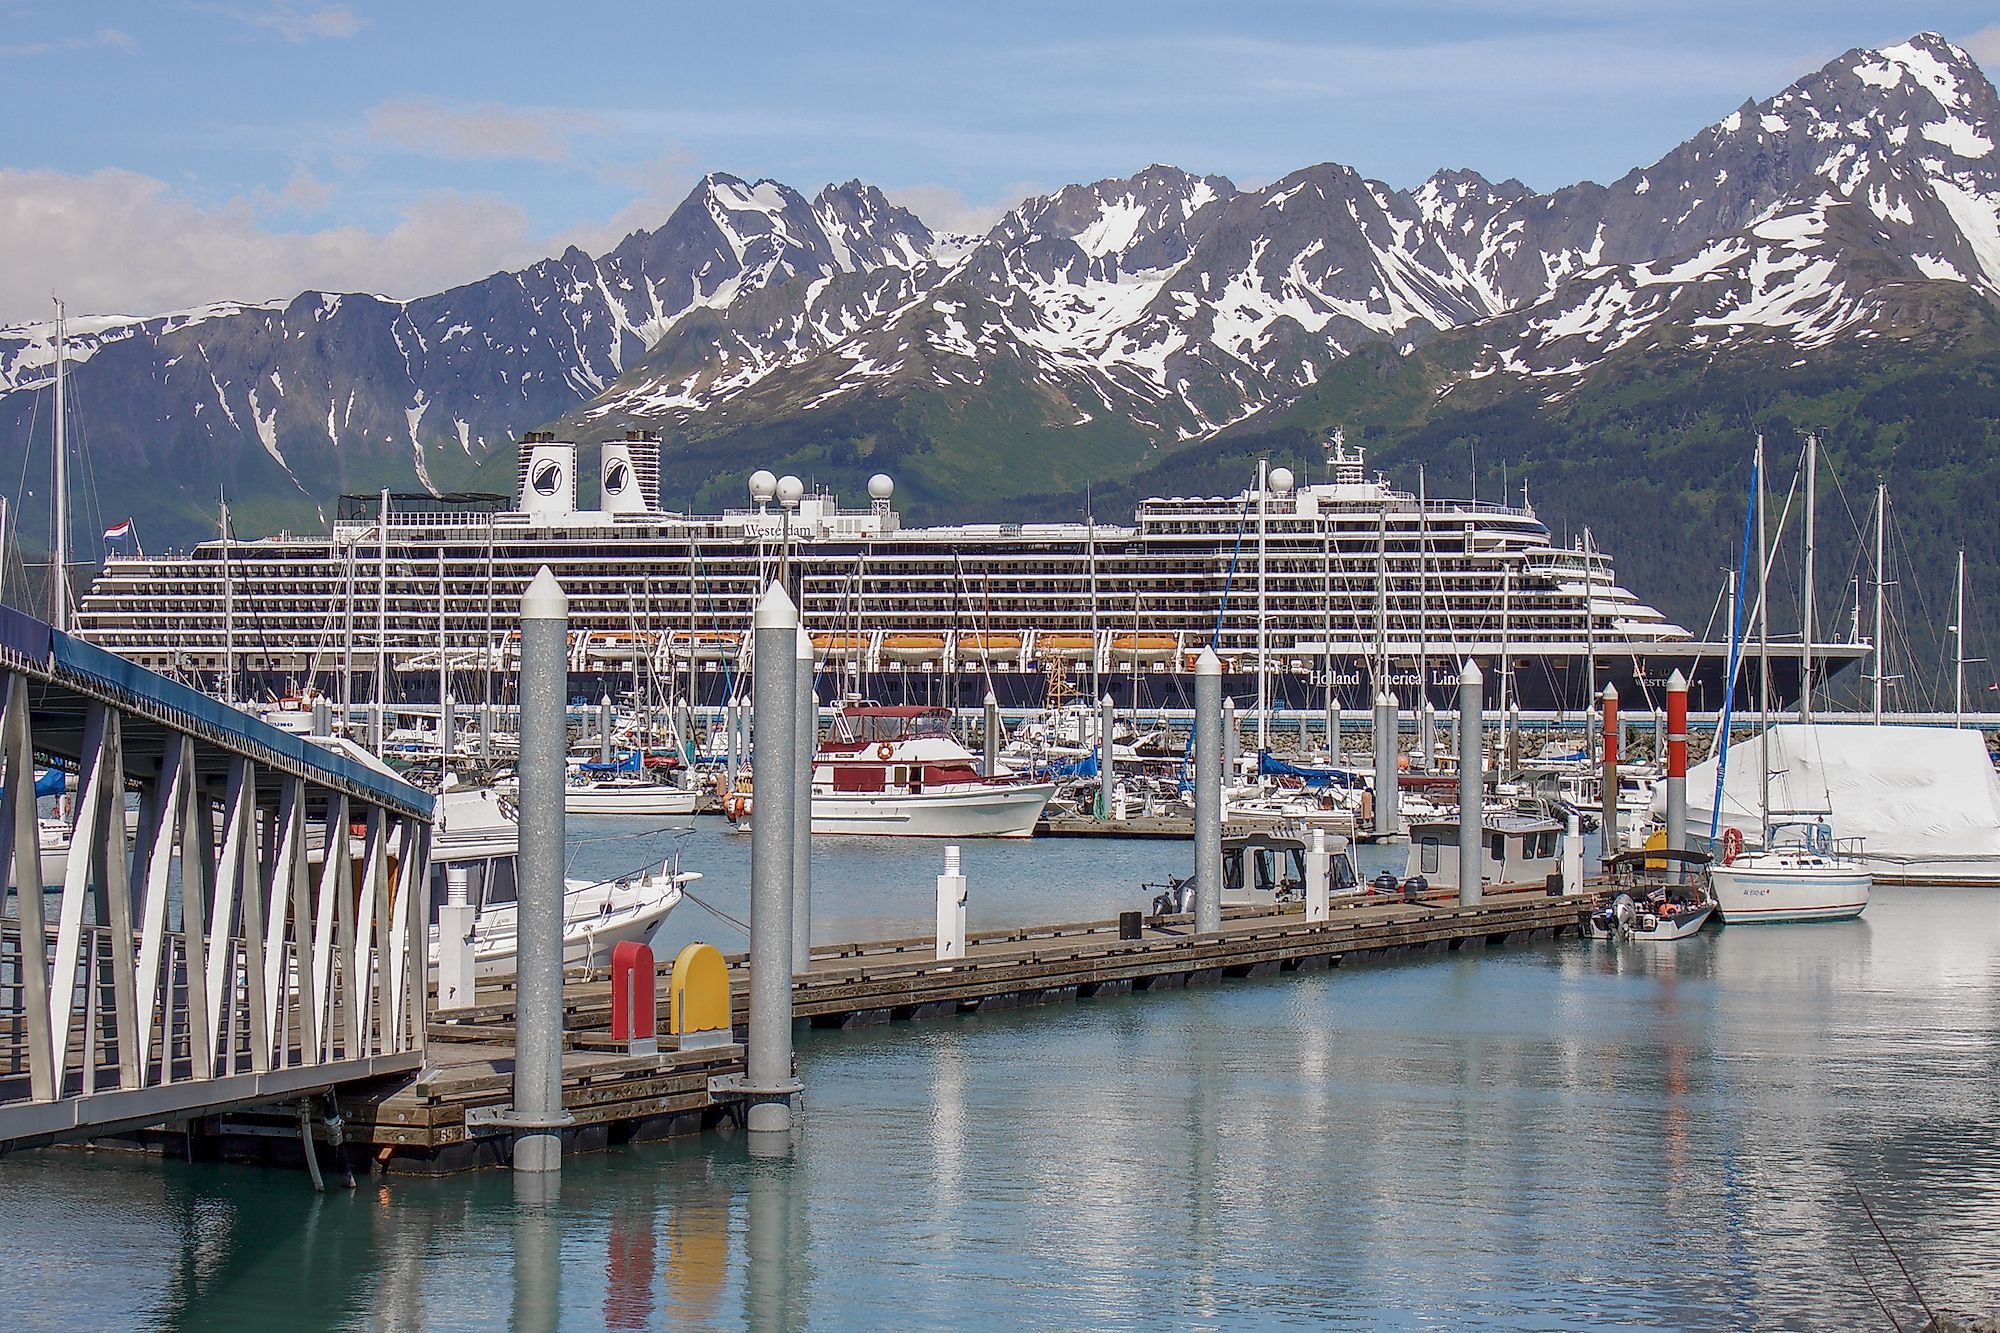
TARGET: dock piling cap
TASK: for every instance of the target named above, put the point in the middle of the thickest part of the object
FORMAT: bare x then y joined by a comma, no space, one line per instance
776,610
1677,683
544,598
1208,664
805,653
1470,676
1611,692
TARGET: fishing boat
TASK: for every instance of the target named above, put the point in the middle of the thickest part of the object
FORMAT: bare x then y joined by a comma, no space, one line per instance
899,771
1659,895
1259,869
1520,851
476,836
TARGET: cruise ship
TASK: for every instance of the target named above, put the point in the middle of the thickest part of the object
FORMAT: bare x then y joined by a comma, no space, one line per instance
1335,589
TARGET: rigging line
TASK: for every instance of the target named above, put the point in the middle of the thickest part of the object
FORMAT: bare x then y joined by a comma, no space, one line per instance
715,911
1735,656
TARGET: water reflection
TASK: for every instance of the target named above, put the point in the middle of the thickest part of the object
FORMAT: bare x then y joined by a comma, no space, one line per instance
1543,1136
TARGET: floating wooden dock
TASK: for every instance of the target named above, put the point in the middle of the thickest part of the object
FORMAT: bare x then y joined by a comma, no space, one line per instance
439,1119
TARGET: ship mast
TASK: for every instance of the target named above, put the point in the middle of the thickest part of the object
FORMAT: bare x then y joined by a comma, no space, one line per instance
1806,614
59,602
1263,630
1881,585
1763,658
1958,642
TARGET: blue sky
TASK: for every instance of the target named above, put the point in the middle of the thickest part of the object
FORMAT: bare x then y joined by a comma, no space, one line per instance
168,153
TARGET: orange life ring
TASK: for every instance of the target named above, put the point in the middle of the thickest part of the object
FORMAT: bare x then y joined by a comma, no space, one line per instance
884,751
1732,845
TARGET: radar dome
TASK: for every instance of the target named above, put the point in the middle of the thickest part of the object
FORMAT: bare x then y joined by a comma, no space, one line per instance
1281,480
790,490
763,485
881,486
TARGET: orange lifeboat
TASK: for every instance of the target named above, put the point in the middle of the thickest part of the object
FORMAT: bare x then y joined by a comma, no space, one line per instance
988,647
842,646
913,647
706,645
1069,647
1143,647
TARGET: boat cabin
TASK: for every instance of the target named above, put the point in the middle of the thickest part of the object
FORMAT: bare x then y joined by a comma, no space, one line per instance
1521,850
875,724
901,749
1259,869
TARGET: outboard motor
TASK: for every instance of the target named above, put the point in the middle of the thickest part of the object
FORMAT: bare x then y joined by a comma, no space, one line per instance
1386,882
1414,885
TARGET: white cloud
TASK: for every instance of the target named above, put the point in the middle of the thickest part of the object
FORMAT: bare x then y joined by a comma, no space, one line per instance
295,21
119,242
660,184
488,131
112,37
1984,46
945,209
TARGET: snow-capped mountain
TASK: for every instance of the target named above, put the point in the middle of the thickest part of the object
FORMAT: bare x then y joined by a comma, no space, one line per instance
1136,313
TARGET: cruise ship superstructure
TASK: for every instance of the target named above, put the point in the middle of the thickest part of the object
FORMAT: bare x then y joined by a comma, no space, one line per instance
1351,578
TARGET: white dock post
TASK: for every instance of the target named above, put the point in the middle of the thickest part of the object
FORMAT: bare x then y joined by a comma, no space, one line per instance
538,1110
1471,787
992,735
458,974
607,718
1209,714
1232,737
447,727
1572,869
1107,782
806,720
951,908
729,738
774,696
1318,906
1388,818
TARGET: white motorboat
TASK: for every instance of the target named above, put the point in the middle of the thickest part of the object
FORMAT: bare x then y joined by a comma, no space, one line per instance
626,794
1801,873
1660,895
898,771
475,833
1260,869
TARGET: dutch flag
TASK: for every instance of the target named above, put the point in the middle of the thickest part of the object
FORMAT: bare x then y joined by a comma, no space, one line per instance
120,532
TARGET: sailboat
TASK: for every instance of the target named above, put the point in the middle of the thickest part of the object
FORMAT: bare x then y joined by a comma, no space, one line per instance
1797,870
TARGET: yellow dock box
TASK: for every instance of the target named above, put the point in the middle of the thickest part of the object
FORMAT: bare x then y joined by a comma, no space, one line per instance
698,997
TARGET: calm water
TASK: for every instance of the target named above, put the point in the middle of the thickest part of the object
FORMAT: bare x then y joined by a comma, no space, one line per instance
1543,1136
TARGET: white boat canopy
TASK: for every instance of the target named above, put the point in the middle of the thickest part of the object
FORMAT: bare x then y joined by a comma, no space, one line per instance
1926,800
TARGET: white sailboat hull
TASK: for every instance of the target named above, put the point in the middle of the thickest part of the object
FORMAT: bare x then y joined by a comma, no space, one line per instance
595,919
634,800
1749,891
975,812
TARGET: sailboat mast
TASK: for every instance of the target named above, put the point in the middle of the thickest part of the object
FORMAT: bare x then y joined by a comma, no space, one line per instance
1763,658
228,612
1590,648
1423,617
1881,544
1263,617
1958,643
1806,612
59,603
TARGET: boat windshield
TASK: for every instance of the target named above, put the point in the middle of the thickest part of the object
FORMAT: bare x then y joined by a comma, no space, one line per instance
896,725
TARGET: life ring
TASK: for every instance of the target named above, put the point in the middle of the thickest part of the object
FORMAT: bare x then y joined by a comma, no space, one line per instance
884,751
1732,845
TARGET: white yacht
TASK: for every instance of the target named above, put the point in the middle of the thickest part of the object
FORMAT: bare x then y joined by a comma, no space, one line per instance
898,771
475,834
1801,872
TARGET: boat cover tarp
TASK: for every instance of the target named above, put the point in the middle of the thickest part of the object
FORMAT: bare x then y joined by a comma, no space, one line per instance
52,650
1314,775
1926,800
